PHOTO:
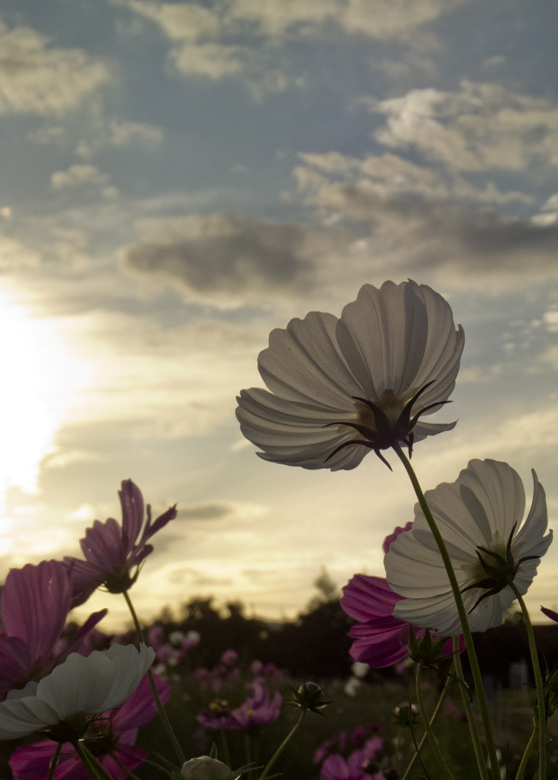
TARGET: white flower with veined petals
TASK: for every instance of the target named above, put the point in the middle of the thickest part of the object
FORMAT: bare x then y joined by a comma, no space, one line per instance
479,517
75,691
342,387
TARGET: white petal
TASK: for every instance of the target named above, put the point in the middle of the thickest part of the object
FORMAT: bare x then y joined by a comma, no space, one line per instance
304,364
78,685
22,716
401,337
129,666
499,490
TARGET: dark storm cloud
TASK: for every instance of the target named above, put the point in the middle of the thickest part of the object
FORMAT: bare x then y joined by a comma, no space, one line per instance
227,254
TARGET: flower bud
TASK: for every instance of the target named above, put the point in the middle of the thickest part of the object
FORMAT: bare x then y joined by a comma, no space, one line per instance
405,714
309,697
204,768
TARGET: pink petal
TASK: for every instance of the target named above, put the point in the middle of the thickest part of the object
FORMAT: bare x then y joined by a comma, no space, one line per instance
35,604
131,501
366,598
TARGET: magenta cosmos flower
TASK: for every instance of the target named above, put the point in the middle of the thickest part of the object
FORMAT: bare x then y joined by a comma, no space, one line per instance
381,638
339,388
111,738
254,713
354,768
35,604
113,552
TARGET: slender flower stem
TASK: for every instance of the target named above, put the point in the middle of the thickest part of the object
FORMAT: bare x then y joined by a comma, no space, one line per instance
248,748
162,714
428,728
225,746
541,706
89,761
527,753
418,748
282,746
469,712
473,660
54,761
424,737
129,773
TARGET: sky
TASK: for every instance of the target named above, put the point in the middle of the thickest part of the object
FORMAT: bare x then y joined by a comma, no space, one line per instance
177,179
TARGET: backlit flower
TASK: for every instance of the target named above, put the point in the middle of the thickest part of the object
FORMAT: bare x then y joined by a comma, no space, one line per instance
111,738
35,604
114,552
204,768
479,517
81,688
339,388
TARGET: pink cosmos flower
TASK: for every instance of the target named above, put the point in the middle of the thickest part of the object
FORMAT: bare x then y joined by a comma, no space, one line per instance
354,768
113,734
254,713
35,604
113,553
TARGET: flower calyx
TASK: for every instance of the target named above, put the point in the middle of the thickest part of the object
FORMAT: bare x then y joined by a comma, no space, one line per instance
309,698
425,650
385,434
500,570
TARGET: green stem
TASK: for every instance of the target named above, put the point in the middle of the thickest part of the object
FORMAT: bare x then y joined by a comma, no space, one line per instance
282,746
418,748
162,714
225,746
424,737
541,706
428,728
469,712
248,747
89,761
527,754
54,761
473,660
129,773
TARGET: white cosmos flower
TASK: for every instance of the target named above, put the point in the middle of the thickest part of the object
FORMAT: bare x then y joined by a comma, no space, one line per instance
479,517
342,387
77,689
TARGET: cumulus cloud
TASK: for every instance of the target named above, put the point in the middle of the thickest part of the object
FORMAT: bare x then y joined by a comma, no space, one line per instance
36,78
225,255
419,219
237,38
481,126
76,175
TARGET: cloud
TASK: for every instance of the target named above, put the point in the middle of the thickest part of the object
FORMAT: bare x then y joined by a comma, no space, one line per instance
481,126
410,219
76,175
225,255
205,512
36,78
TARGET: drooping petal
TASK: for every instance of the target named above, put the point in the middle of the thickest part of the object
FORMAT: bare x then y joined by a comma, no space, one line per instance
129,667
79,684
20,717
380,643
35,605
367,597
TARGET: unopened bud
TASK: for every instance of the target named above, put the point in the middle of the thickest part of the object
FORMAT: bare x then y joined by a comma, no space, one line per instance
204,768
309,697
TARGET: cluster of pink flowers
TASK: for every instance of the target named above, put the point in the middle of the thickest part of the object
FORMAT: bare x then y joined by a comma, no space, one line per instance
258,710
225,673
171,652
351,756
36,600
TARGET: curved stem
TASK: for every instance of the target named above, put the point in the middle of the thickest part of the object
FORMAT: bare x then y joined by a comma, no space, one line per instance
473,660
418,748
428,728
527,754
282,746
469,712
541,706
162,714
424,737
95,769
54,761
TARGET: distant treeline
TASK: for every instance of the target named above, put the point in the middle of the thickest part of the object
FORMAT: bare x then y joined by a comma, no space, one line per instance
316,644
